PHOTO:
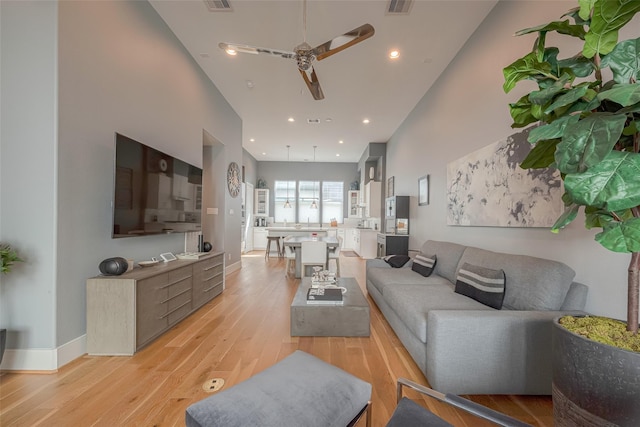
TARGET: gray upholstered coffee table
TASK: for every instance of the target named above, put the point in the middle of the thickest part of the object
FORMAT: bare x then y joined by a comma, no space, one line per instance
351,319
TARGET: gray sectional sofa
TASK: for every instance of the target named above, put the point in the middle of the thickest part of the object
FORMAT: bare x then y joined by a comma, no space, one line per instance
464,346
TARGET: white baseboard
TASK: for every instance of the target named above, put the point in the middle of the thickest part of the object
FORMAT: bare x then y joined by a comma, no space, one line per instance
230,268
40,359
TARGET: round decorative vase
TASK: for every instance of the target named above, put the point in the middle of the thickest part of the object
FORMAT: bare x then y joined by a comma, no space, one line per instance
594,384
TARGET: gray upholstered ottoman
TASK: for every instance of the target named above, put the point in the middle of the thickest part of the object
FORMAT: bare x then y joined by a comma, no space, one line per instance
300,390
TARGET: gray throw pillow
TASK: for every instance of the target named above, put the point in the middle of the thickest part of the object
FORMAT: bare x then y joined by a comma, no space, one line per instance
396,261
424,264
482,284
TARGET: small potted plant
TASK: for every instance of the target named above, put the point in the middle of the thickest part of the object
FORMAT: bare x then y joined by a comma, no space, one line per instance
8,257
588,105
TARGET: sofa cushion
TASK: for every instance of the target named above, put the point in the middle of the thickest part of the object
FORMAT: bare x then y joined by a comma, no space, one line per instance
424,264
412,303
397,261
534,283
482,284
383,278
448,254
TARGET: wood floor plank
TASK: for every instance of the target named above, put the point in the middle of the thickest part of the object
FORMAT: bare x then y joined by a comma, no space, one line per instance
241,332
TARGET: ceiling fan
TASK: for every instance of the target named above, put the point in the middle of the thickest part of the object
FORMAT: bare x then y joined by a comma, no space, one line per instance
304,54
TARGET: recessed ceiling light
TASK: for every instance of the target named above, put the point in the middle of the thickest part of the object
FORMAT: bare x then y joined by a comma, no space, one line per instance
291,119
338,155
264,154
341,142
252,140
231,52
394,54
249,84
365,121
328,119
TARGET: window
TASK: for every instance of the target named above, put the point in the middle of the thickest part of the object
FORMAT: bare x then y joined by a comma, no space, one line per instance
284,190
332,201
328,195
308,191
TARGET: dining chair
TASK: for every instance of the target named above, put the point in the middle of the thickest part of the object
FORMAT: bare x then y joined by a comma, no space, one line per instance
334,254
289,255
314,252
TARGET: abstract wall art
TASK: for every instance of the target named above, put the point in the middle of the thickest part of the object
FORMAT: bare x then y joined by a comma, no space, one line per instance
488,188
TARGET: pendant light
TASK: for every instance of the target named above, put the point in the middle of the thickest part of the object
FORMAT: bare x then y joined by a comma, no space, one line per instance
287,205
314,205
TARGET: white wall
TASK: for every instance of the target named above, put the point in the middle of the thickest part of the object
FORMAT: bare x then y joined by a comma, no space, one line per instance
118,68
466,110
28,143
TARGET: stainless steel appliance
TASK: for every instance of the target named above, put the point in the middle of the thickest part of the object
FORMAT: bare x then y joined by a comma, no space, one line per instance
397,215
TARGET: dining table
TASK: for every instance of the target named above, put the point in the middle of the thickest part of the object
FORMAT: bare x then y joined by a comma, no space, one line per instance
295,242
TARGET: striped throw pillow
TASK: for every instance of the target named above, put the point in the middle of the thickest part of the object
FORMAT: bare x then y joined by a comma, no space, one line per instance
424,264
482,284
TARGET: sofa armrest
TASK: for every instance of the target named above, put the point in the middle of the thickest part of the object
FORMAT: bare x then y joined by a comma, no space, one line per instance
490,352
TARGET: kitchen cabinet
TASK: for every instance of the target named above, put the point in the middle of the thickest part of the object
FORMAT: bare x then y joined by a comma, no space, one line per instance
395,244
348,238
355,243
367,243
353,202
372,197
261,202
127,312
260,238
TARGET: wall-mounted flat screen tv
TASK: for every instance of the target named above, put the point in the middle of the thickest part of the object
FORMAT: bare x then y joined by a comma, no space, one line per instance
154,193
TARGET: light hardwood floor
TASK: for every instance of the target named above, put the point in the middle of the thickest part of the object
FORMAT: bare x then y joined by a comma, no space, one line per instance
241,332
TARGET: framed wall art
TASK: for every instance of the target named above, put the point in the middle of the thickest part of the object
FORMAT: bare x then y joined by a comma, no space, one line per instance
423,190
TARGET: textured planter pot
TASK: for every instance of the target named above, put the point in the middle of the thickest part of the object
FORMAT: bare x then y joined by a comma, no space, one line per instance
593,384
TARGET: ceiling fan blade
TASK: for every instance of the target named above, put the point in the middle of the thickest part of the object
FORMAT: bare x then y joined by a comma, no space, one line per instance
312,83
245,48
344,41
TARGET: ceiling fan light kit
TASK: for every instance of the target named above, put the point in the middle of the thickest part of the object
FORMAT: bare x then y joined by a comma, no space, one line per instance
305,55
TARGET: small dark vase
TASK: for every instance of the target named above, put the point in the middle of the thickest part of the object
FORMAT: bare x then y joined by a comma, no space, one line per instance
3,342
594,384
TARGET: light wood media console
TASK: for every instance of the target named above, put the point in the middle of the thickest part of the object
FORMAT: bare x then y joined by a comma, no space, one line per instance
127,312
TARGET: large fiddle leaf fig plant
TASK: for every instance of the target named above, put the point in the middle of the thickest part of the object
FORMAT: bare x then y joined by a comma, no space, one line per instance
588,105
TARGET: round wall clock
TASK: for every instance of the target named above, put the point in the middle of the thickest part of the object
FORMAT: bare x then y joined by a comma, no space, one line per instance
233,179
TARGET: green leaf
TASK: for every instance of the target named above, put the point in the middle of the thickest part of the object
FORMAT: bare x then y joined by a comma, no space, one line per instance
562,27
524,68
621,236
567,217
541,97
632,129
607,18
623,94
612,184
623,61
552,130
541,155
521,113
585,8
587,142
579,65
568,98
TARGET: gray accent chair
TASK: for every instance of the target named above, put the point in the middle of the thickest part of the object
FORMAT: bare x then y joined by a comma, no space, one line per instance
463,346
300,390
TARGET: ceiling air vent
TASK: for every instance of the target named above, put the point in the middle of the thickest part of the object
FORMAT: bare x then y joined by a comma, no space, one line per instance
399,6
313,121
218,5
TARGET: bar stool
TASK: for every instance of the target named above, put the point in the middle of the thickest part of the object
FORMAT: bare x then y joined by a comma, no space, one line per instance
273,239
